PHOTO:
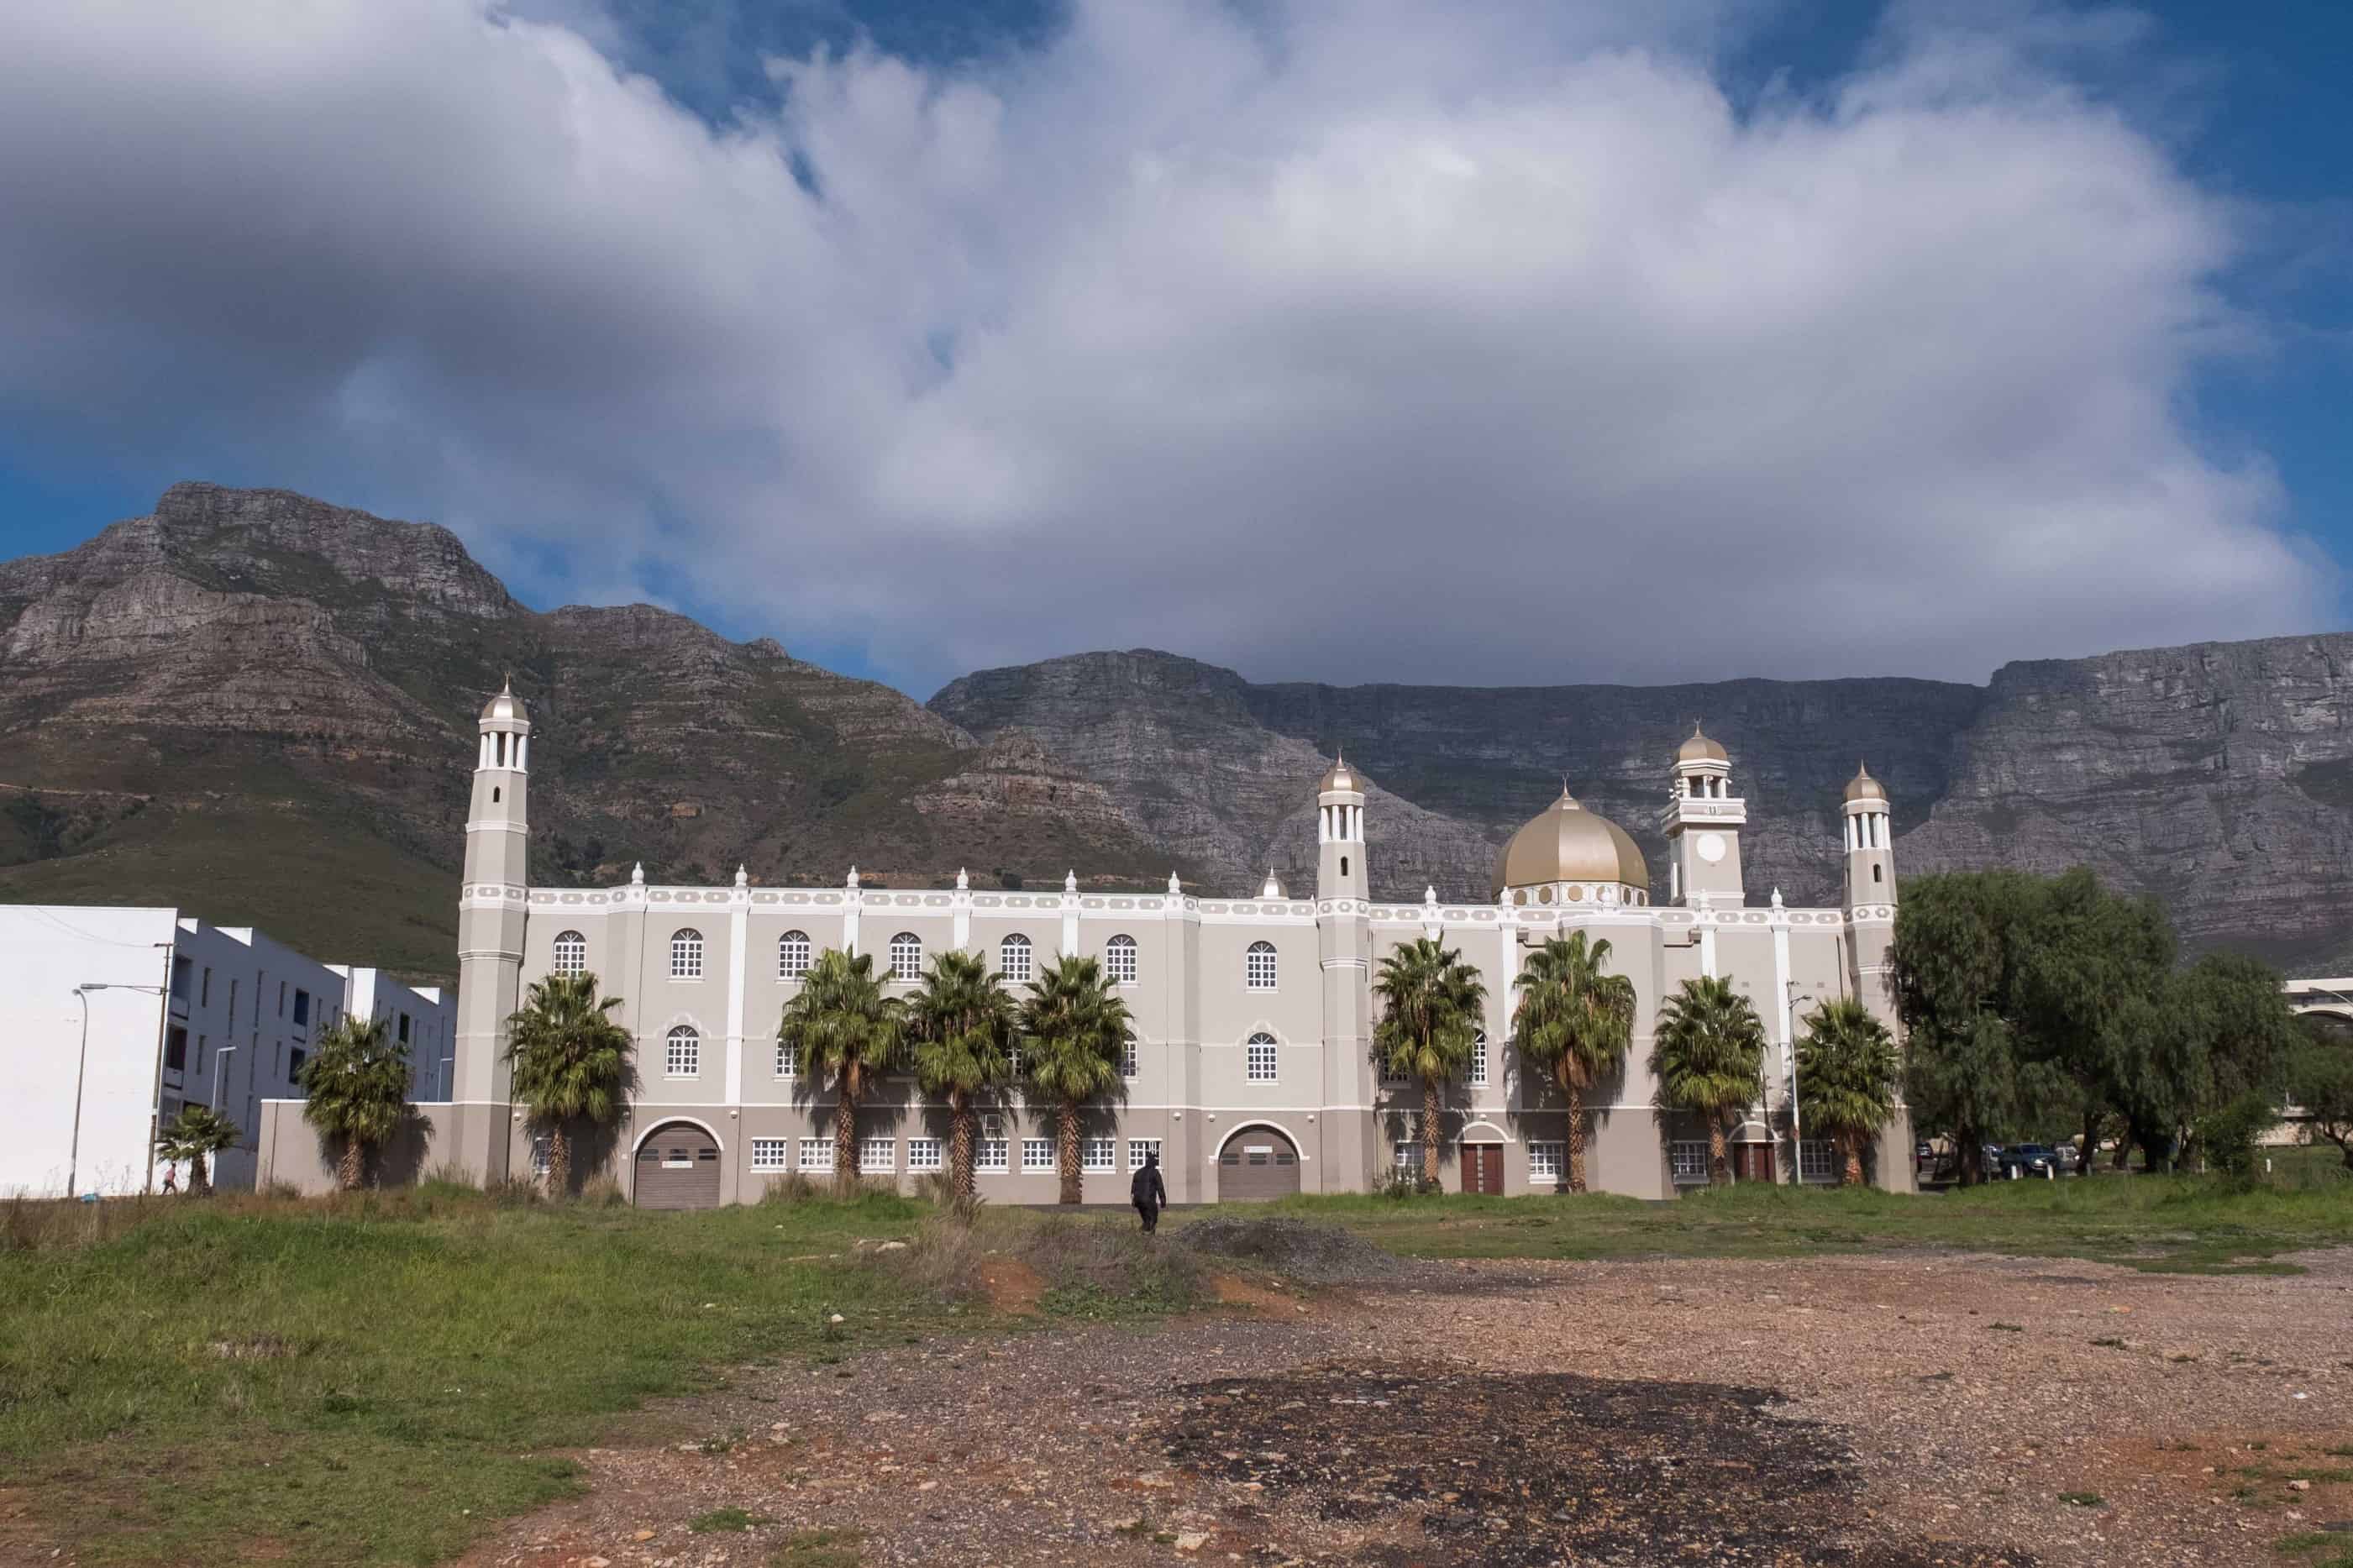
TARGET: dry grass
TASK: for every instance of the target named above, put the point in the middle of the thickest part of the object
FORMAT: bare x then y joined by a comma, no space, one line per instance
1090,1267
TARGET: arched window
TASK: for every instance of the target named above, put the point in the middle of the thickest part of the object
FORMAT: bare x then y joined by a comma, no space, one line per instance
1118,959
682,1053
686,955
906,956
1479,1059
1259,1056
1257,966
1013,958
792,955
571,953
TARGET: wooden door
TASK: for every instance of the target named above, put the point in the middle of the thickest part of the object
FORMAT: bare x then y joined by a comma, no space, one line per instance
1482,1168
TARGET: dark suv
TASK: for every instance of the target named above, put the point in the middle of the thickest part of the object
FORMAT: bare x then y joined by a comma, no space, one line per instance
2030,1160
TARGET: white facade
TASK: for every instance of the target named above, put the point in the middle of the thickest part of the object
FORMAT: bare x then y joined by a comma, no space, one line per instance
179,1012
1254,1014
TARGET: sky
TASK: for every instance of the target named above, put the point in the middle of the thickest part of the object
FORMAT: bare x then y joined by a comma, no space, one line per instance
1499,341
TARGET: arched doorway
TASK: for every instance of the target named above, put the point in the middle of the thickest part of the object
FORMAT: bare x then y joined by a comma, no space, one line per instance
1258,1163
678,1168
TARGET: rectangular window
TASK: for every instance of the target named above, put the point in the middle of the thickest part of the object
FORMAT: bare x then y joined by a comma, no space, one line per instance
1037,1153
281,998
1260,968
539,1155
202,1040
295,1058
1138,1148
404,1029
1098,1154
175,1050
1119,960
923,1153
786,1065
1479,1062
1817,1161
205,988
1546,1161
179,979
1127,1062
1407,1152
1261,1060
232,1005
816,1153
1688,1161
990,1151
769,1153
684,1056
302,1008
878,1156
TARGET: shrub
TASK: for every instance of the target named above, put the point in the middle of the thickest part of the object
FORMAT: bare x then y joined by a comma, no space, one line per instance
604,1192
2228,1134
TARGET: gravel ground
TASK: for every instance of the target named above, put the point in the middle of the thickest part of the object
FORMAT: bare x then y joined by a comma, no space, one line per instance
1881,1412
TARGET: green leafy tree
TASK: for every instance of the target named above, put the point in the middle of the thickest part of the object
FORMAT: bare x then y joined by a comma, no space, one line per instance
1706,1054
1074,1032
2086,993
2320,1085
1950,970
1431,1003
843,1026
2233,1035
355,1088
1847,1070
966,1029
571,1063
200,1133
1575,1021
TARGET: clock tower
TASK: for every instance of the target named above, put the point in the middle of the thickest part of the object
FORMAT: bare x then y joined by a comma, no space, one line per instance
1703,823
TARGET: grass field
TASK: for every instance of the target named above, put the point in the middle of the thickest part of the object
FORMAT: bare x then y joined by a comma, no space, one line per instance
378,1378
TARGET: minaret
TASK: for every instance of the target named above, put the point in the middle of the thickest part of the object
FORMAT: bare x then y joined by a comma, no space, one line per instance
490,932
1871,888
1703,823
1340,834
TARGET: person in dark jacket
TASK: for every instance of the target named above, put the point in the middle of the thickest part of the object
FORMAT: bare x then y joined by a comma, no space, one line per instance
1149,1193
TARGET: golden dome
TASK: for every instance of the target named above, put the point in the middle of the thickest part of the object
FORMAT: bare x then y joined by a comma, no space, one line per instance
1272,888
1341,776
1700,749
1567,843
1862,786
505,705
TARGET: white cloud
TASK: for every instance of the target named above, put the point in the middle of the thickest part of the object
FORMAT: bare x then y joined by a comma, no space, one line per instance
1487,342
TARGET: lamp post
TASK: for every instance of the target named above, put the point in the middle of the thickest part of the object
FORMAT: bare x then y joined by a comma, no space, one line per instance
1797,1126
81,1070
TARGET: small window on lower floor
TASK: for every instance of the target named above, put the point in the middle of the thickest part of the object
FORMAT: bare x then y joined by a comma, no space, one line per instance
1098,1154
769,1153
990,1151
1140,1151
878,1156
816,1153
1037,1153
923,1153
1817,1161
1545,1161
1687,1160
1407,1152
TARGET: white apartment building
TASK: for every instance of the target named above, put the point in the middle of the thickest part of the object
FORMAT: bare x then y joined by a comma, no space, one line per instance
113,1018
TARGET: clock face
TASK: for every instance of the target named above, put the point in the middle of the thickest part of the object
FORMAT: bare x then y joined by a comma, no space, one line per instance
1710,847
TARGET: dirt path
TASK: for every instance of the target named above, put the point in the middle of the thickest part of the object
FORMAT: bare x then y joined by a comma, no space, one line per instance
1879,1413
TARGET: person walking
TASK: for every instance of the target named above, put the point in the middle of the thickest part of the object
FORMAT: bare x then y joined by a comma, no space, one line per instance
1149,1193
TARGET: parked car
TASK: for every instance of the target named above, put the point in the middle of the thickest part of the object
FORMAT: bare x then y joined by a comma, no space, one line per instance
2069,1157
2021,1160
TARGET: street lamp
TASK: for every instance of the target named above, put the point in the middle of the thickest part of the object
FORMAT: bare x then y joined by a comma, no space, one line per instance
81,1068
1797,1126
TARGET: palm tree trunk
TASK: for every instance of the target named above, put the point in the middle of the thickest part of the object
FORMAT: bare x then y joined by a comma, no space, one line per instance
348,1166
559,1160
844,1131
1575,1135
960,1179
1719,1162
1851,1144
1429,1134
1067,1155
200,1177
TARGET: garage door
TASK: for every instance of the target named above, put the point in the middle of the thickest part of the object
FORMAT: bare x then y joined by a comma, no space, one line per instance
678,1168
1256,1162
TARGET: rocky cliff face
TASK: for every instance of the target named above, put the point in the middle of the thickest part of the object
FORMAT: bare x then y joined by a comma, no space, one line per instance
261,706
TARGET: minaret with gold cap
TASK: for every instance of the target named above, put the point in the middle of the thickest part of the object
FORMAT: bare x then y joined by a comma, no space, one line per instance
1340,834
1703,823
491,933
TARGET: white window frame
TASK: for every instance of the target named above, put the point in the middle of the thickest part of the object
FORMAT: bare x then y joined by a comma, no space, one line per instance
878,1156
1260,968
1098,1156
1120,955
1037,1153
991,1152
795,955
1131,1065
1551,1150
815,1154
1687,1159
686,954
906,958
771,1153
787,1061
1014,956
682,1043
1479,1059
925,1155
571,954
1818,1161
1137,1148
1261,1048
1407,1153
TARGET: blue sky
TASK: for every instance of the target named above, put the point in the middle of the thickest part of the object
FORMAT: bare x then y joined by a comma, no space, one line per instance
949,519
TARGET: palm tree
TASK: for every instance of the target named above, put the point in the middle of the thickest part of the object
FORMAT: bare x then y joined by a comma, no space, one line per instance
1075,1030
1430,1005
842,1024
965,1030
1577,1021
571,1061
1847,1068
199,1133
1706,1054
356,1088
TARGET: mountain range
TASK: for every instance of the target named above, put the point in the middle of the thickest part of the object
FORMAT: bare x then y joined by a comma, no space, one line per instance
260,707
